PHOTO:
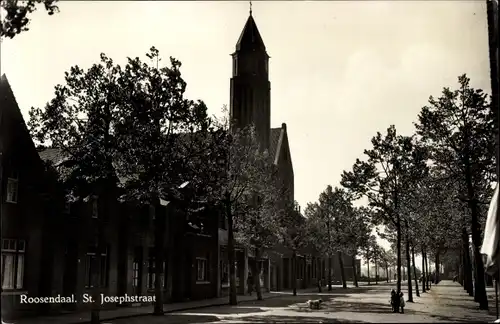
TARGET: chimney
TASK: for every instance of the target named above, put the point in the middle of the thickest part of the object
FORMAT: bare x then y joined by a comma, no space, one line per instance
283,126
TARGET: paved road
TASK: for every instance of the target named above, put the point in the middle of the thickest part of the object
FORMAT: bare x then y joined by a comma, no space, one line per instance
446,302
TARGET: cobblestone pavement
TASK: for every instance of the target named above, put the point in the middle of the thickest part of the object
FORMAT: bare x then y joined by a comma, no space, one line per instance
446,302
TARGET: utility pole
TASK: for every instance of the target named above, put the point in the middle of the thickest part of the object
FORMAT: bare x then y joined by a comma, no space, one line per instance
492,8
493,14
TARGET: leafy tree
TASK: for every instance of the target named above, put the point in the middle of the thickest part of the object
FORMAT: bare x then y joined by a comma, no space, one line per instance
158,133
260,229
392,163
458,127
315,232
81,122
296,234
116,127
236,173
357,234
15,15
368,251
335,211
377,255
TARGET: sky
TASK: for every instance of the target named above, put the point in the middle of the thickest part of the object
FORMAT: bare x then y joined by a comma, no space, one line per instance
339,71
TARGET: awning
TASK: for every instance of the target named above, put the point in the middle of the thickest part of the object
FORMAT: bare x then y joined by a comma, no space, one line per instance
490,247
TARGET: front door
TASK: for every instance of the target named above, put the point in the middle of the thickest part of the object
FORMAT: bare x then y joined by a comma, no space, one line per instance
70,272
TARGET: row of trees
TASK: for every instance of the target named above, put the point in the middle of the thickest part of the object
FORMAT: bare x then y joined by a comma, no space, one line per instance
430,191
128,134
336,229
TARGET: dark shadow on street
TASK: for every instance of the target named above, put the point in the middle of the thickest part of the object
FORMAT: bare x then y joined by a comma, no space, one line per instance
452,319
333,306
227,310
286,301
292,319
325,292
182,319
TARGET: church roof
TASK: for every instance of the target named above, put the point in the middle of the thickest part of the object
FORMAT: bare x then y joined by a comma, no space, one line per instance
250,38
274,139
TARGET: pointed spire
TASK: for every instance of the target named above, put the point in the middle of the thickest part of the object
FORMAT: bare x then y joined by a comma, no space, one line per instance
250,38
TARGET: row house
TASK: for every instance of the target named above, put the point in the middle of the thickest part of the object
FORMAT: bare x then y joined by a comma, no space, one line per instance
50,246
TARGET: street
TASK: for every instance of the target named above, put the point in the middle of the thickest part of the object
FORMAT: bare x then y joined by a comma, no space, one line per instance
446,302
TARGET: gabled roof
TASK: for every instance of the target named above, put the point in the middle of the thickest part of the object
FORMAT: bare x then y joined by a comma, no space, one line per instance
250,38
274,138
12,121
53,155
277,138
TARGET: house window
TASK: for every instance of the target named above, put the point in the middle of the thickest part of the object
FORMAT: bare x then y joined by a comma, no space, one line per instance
95,208
201,270
93,268
12,188
151,271
137,267
135,274
151,278
224,275
13,263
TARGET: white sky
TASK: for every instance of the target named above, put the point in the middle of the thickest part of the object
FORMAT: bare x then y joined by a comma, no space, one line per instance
340,71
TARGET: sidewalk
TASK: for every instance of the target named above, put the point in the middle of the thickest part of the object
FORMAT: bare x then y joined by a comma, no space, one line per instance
127,312
449,302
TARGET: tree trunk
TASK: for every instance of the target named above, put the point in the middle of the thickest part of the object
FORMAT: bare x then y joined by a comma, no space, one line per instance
256,277
355,271
160,218
423,271
461,279
408,268
436,265
468,286
376,271
480,289
329,273
294,272
414,270
387,274
398,232
479,284
427,279
467,263
230,255
342,270
368,270
318,274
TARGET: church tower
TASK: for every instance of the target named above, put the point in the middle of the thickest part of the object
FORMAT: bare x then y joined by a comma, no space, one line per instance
250,101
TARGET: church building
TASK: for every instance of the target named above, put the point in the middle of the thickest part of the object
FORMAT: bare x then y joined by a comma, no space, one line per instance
250,104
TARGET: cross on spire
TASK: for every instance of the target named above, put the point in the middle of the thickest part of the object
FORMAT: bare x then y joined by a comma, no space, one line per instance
250,8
